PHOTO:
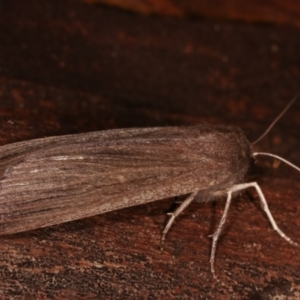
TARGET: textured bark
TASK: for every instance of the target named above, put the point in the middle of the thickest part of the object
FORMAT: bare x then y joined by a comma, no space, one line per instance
68,67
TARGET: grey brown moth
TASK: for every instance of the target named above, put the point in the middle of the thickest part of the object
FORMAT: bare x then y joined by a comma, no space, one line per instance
58,179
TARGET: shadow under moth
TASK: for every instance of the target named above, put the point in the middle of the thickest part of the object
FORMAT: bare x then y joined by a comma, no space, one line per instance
58,179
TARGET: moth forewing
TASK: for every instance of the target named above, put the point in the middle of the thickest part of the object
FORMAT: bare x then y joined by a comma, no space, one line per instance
55,180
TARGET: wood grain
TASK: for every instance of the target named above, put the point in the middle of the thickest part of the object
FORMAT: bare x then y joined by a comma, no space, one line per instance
68,67
268,11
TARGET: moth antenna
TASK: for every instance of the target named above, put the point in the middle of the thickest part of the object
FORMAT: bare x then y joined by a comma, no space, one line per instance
277,157
278,118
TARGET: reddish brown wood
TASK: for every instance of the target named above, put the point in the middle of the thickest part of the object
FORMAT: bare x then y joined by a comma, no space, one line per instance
267,11
69,67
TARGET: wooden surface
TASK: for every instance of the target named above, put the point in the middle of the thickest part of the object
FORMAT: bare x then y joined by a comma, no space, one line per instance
267,11
69,67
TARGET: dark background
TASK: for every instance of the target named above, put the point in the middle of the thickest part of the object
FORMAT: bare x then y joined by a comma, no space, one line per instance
71,66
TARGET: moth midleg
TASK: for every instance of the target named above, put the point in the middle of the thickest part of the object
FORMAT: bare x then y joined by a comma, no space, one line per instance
218,231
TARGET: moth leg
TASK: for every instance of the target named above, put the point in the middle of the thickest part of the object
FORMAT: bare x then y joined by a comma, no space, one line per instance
265,207
177,212
216,234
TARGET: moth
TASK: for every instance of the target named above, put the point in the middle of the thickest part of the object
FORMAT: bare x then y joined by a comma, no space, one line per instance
58,179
